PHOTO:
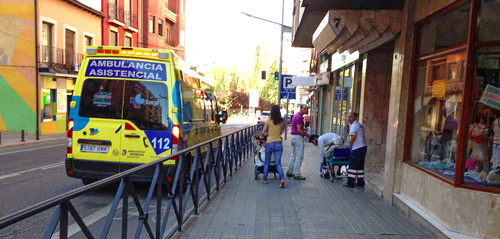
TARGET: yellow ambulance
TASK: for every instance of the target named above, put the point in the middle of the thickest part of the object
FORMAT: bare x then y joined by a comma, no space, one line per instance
132,106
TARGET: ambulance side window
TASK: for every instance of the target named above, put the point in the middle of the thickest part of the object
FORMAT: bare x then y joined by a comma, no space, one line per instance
101,98
146,105
187,102
208,110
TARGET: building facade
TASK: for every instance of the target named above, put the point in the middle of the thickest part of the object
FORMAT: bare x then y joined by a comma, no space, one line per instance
424,76
120,27
163,25
66,28
17,66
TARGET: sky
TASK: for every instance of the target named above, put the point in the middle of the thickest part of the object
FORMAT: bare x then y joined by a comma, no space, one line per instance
218,34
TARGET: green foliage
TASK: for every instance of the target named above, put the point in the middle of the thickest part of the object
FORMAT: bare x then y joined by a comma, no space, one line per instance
233,85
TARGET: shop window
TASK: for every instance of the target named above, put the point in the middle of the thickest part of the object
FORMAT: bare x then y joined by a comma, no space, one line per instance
343,100
444,31
48,105
438,91
482,161
489,21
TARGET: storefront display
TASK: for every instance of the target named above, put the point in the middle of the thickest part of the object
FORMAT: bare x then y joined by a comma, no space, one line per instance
438,98
438,90
483,147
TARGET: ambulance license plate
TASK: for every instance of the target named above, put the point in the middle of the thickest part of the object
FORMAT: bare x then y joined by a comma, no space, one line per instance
94,148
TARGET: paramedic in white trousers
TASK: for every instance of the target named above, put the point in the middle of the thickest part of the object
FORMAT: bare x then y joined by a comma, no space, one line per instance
356,173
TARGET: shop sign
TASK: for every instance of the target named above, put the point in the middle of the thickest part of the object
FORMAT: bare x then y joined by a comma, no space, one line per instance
62,102
491,96
323,78
341,59
287,93
439,88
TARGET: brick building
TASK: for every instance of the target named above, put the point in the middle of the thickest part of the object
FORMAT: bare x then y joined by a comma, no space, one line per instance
424,75
121,25
163,25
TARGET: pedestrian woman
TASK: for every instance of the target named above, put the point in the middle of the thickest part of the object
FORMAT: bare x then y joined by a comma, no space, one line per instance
274,128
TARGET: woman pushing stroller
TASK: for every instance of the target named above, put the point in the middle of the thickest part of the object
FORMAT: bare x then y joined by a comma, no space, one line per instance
273,127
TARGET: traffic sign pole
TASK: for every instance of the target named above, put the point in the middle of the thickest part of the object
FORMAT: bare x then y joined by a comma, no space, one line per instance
281,49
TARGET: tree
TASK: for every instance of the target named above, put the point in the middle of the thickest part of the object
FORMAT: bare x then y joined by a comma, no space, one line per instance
270,89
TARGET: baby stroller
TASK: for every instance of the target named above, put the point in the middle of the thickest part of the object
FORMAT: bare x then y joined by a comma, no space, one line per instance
260,157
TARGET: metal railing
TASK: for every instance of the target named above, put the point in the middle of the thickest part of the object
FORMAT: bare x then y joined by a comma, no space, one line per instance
193,174
53,57
112,11
121,14
131,20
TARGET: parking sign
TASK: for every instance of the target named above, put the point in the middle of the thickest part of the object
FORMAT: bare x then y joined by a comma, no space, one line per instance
287,90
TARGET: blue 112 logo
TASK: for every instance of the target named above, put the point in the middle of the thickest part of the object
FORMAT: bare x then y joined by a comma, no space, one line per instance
160,143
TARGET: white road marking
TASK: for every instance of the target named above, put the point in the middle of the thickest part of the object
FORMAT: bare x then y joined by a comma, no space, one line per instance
33,169
100,215
25,150
89,220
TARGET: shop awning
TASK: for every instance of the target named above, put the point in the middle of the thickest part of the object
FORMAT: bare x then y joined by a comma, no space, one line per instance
312,11
356,30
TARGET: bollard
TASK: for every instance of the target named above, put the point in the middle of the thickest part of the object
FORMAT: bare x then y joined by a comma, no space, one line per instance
22,136
0,138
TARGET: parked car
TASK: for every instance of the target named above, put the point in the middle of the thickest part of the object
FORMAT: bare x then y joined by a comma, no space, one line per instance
263,117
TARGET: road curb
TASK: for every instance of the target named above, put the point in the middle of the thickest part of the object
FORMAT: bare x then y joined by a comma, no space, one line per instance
30,142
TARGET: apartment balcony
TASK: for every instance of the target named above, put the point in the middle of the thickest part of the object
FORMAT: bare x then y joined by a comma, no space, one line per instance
112,13
59,60
116,13
121,14
131,20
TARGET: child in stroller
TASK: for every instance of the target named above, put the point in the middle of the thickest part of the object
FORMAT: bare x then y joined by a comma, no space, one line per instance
260,157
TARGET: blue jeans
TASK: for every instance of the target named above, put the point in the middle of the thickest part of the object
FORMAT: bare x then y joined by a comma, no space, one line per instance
277,148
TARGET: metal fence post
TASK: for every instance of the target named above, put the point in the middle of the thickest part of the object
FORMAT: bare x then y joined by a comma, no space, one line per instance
22,136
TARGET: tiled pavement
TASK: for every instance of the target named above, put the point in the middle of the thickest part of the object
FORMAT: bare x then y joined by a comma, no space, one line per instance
313,208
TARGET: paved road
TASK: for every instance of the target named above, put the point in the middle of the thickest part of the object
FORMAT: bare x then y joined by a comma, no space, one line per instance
33,173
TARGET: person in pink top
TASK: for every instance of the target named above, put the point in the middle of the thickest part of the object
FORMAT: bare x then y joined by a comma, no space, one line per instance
298,133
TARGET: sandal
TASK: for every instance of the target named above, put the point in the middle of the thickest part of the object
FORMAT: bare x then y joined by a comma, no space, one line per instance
282,183
263,182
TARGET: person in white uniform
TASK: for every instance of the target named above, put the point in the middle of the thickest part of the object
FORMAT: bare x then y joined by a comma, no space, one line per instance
326,142
356,173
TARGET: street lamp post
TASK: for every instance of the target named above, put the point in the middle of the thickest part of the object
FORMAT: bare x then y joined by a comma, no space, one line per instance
283,27
281,54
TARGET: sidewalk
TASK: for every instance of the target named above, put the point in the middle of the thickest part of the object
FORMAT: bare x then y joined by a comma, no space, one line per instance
11,139
313,208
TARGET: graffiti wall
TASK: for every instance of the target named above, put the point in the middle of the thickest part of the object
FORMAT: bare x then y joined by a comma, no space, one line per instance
17,66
